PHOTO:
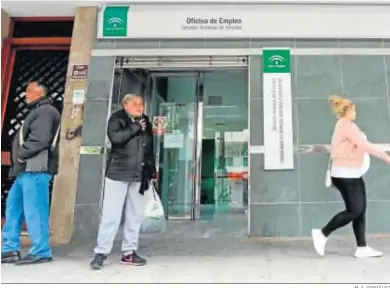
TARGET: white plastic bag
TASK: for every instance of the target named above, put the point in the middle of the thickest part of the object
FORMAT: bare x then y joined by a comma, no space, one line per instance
154,216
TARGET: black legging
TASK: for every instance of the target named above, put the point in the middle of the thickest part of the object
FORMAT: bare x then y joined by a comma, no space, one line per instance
353,191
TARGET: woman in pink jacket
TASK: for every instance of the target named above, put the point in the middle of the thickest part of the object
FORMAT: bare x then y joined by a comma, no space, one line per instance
349,162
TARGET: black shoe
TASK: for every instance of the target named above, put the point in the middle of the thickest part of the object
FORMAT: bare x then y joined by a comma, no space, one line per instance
97,262
133,259
32,259
10,257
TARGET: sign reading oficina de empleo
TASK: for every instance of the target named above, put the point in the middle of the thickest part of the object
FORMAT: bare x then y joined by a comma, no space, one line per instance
278,128
140,21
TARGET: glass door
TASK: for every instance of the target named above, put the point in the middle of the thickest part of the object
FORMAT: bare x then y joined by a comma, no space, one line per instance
224,145
175,133
202,144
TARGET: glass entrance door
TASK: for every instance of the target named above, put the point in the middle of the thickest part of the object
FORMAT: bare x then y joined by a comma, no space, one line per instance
224,193
176,143
201,149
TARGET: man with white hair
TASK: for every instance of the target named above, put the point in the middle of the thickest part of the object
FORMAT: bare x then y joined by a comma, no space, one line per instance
130,170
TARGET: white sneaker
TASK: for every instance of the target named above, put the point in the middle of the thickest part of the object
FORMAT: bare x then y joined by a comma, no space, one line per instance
366,252
319,241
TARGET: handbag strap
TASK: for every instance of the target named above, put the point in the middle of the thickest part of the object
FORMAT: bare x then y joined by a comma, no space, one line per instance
21,138
53,143
154,192
330,161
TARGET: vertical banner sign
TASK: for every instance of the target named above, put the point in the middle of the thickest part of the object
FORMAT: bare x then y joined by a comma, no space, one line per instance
278,128
115,21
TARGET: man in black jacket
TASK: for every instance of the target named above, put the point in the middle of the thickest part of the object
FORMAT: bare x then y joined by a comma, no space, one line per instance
34,159
130,170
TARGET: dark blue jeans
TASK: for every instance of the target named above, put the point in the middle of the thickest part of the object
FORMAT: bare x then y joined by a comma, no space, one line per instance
28,200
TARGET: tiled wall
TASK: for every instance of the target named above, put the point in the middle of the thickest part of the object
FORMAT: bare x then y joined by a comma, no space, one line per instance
291,203
240,43
285,203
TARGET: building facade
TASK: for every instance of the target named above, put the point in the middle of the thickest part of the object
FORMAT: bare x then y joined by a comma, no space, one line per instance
238,99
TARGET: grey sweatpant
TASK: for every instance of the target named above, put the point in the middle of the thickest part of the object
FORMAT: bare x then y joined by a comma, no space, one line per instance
120,197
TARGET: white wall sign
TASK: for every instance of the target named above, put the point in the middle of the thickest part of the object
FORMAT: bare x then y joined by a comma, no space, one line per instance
242,21
173,140
278,128
78,96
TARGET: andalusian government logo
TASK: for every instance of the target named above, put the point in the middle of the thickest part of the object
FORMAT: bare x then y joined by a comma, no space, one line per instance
276,61
115,21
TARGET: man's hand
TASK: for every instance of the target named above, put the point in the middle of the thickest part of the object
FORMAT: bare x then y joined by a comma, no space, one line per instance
21,161
153,181
142,122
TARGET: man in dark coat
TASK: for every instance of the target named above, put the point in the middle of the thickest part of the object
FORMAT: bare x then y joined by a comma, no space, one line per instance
130,170
34,159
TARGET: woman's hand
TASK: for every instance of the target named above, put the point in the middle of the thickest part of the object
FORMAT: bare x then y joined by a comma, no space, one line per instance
143,124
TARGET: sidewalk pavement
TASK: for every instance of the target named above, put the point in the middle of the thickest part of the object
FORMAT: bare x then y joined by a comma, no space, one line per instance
214,260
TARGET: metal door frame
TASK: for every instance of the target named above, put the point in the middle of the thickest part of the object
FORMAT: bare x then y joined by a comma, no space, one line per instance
196,193
199,73
9,48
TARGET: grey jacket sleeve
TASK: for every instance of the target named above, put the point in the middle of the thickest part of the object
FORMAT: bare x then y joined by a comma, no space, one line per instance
40,135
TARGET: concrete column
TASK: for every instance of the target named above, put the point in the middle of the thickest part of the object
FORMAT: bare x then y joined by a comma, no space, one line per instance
65,185
5,23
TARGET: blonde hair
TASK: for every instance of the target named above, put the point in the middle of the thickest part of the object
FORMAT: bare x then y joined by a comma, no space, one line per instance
339,105
129,97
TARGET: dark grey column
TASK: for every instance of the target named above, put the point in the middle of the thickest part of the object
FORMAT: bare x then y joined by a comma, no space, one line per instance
90,176
274,208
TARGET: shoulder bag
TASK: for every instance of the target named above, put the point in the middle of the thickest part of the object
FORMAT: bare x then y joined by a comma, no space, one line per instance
39,162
